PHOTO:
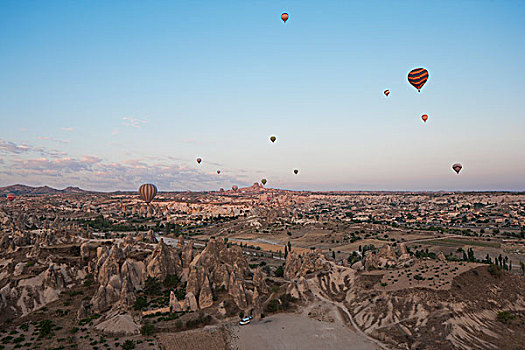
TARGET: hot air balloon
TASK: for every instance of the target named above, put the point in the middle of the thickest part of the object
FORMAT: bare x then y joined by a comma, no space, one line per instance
235,187
218,171
295,171
148,192
10,197
268,198
273,138
263,181
199,160
418,77
386,92
284,17
457,167
424,117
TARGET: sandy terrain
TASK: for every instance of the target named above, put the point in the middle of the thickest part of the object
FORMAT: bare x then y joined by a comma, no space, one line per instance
292,331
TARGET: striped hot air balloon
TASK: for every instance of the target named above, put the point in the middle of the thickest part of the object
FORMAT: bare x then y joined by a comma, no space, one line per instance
386,92
10,197
457,167
148,192
418,77
284,17
424,117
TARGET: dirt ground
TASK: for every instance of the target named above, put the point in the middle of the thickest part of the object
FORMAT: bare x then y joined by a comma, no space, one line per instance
293,331
211,338
433,274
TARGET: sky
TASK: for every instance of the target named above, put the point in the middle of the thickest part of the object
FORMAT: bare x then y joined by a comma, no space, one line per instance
107,95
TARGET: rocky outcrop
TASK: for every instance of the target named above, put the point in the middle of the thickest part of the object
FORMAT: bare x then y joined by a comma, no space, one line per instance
205,296
259,280
217,267
299,265
83,310
442,256
119,325
149,237
119,278
163,262
190,303
299,289
386,257
20,297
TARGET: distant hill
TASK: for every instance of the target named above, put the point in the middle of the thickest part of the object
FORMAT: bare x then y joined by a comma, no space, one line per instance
41,190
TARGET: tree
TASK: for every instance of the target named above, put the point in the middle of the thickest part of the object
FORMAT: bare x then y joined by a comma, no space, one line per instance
128,345
147,330
152,286
279,272
471,255
45,327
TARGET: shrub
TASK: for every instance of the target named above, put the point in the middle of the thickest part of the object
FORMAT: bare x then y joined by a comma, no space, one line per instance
152,286
140,303
272,306
505,317
495,270
171,281
147,329
45,327
279,272
128,345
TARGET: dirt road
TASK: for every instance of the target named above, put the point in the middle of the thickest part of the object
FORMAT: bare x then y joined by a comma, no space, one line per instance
293,331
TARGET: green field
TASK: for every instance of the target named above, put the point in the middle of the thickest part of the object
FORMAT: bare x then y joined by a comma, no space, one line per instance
449,242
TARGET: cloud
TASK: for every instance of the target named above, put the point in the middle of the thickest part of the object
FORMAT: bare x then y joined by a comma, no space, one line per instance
92,172
11,147
38,165
133,122
67,129
48,138
8,147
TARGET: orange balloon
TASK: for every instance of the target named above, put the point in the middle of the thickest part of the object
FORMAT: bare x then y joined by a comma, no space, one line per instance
10,197
148,192
199,160
424,117
386,92
284,17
